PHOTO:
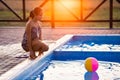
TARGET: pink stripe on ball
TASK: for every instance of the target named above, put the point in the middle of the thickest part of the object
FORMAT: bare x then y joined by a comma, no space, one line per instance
94,64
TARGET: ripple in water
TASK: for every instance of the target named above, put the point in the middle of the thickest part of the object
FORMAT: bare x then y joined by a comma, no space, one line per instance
89,47
75,70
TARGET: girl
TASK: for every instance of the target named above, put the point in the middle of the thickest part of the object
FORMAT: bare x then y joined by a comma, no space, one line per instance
32,37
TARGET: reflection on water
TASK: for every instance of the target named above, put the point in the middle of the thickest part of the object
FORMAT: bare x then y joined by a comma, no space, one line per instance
91,76
75,70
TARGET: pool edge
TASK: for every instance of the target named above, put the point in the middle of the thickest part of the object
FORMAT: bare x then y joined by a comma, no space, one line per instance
18,69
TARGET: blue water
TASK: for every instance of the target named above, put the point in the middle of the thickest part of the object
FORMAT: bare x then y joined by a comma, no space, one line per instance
89,47
96,39
75,70
68,60
92,43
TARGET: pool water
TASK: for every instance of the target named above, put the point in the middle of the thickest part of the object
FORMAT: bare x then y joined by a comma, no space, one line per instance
65,61
92,43
68,60
75,70
89,47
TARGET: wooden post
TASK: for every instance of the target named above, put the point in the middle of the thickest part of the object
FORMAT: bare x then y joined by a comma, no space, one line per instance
81,9
24,12
52,14
111,14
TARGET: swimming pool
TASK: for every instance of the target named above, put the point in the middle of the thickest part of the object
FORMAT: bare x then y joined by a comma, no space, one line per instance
65,59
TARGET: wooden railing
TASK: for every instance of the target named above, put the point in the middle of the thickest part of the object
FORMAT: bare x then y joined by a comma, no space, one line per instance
52,20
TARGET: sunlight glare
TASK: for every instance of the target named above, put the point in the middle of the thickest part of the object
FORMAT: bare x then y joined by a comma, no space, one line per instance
68,3
62,8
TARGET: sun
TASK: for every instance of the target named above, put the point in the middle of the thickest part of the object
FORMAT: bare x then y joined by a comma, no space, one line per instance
64,9
68,3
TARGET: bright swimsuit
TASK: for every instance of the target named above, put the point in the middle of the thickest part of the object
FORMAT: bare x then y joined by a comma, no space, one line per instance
35,31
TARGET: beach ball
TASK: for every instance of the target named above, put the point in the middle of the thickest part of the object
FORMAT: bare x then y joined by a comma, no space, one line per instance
91,64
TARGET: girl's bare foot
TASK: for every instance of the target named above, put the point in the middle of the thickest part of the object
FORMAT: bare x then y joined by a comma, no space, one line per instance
32,55
40,53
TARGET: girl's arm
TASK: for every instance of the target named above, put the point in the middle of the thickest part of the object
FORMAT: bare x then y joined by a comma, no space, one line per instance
40,35
40,31
28,31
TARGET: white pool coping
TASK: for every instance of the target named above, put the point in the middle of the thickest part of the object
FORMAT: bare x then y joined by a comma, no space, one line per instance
15,71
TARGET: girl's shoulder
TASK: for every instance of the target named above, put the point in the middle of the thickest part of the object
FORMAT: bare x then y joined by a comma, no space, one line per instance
30,24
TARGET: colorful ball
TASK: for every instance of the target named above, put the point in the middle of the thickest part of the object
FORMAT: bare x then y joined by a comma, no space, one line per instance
91,64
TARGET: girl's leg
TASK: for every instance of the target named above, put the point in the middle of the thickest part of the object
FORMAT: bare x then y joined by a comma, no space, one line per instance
40,53
40,46
32,55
